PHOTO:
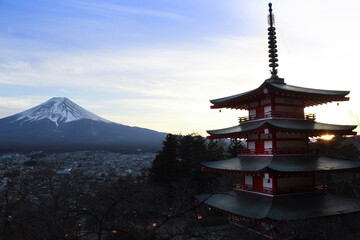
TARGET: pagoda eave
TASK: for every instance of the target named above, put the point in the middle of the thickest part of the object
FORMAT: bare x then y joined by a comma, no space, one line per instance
284,125
231,136
309,133
272,172
282,208
243,105
310,96
299,164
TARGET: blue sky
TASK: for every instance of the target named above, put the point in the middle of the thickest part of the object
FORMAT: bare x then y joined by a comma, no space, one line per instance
155,64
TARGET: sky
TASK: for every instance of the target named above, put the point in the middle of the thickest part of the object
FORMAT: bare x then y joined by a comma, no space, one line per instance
157,63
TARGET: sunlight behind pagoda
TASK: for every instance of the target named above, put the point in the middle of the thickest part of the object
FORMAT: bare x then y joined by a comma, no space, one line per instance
327,137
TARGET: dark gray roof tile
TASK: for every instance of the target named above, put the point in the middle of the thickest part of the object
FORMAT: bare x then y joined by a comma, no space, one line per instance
289,207
285,124
303,163
329,95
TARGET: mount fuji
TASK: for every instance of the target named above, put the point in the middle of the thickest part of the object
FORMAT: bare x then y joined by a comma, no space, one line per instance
61,125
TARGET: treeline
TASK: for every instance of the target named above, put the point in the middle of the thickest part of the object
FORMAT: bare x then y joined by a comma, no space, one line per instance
181,157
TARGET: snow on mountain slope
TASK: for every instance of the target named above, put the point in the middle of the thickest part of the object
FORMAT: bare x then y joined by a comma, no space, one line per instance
58,110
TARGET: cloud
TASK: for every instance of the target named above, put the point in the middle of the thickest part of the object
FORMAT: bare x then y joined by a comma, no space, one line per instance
12,105
191,70
108,9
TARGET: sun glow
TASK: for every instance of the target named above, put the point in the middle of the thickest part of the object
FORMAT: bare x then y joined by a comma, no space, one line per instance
327,137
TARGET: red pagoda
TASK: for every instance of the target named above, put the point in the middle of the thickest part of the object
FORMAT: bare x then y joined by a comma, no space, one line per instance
276,172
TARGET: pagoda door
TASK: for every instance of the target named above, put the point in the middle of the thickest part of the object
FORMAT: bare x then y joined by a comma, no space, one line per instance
258,183
259,147
260,112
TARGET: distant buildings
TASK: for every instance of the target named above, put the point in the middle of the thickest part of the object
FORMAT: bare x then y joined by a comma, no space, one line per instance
102,166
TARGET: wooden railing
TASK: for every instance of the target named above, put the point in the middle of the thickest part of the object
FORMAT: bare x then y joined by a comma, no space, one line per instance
280,151
256,151
282,190
261,226
307,116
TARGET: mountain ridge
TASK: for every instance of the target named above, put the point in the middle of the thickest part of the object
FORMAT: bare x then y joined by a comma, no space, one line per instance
58,109
60,124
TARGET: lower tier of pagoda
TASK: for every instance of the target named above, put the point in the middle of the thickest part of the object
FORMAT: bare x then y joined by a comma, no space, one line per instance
279,175
281,208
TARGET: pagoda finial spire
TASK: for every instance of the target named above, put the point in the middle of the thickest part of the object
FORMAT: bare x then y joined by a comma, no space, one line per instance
272,44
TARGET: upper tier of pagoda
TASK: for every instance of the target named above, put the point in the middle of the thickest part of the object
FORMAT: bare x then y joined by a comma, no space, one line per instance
275,87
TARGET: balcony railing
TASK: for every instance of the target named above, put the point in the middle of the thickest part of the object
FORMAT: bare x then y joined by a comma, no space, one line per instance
280,151
263,226
271,114
279,191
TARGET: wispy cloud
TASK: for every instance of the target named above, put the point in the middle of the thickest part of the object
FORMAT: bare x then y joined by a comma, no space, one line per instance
13,105
192,71
109,9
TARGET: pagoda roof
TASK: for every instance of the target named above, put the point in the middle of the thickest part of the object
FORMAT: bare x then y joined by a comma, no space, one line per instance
310,96
290,163
282,124
287,207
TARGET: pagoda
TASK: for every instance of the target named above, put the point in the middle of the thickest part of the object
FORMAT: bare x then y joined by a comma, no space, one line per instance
275,174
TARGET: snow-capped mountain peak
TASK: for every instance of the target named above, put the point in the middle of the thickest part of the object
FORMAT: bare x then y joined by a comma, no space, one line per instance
58,110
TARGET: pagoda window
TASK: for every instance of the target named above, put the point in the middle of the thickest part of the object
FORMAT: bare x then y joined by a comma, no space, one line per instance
267,183
252,113
267,111
251,145
248,180
268,144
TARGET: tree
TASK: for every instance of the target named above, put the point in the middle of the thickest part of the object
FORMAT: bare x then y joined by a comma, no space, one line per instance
180,159
235,145
165,166
192,151
216,150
